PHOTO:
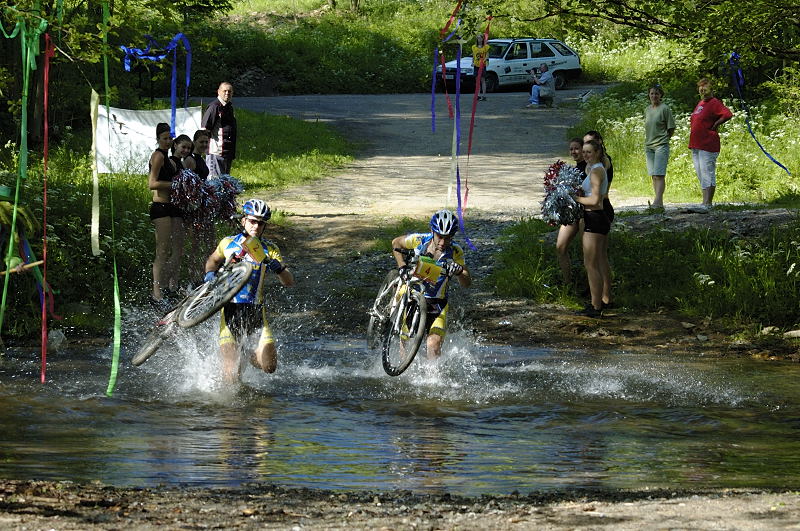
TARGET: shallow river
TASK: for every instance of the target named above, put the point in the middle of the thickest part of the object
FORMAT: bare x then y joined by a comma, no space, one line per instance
485,419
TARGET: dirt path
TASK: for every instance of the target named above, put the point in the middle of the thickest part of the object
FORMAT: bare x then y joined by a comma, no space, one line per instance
405,169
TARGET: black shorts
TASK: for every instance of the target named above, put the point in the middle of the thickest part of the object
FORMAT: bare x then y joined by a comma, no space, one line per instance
596,222
242,319
164,210
609,210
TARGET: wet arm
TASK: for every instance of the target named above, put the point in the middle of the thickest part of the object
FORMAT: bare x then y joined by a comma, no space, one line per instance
286,278
465,279
399,243
214,262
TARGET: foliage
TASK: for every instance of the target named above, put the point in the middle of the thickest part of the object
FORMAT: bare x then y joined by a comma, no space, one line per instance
699,272
526,266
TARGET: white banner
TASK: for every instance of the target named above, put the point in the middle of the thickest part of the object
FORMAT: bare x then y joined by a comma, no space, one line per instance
127,138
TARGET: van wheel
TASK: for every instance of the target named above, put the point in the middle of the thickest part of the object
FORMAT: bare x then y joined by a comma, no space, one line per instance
491,82
561,81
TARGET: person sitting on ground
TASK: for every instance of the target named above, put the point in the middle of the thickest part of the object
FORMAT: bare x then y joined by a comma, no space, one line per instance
544,86
246,313
438,245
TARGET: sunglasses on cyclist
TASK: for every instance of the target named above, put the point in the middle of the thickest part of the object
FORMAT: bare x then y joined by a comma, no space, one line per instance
255,221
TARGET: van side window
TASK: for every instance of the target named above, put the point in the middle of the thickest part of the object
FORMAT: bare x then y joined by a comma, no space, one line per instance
540,49
563,50
518,51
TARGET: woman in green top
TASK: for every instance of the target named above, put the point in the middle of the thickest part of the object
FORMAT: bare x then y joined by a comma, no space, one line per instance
658,128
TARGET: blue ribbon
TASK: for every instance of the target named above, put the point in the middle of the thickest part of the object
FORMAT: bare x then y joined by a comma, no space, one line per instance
138,53
738,80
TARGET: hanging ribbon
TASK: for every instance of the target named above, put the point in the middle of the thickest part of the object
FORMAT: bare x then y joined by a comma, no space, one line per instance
738,81
478,79
138,53
49,52
456,116
112,379
29,48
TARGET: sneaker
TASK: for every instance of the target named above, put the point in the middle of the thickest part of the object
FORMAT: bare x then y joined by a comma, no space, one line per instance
608,305
590,311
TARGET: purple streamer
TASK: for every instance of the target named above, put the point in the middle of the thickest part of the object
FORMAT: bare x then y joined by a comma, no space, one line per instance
458,102
460,211
433,90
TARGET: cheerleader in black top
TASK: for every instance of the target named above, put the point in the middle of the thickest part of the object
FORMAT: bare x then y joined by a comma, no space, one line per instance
166,218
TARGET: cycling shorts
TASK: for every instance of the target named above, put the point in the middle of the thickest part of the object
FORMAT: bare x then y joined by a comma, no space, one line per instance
237,321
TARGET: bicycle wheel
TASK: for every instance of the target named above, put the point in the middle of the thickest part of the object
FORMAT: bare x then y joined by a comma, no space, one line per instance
161,331
379,313
213,295
404,333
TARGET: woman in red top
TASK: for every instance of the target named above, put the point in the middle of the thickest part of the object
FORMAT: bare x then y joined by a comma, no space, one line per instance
708,115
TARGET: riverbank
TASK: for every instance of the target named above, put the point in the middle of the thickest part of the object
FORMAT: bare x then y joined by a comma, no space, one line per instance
68,506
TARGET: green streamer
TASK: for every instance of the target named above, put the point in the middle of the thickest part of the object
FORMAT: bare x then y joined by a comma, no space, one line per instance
29,46
112,379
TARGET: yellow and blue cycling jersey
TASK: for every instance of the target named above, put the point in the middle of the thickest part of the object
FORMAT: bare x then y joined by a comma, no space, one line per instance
255,251
420,242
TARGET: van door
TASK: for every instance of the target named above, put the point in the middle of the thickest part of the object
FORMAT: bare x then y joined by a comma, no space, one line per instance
516,65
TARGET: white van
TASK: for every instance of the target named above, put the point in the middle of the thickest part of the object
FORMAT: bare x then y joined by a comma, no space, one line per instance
510,60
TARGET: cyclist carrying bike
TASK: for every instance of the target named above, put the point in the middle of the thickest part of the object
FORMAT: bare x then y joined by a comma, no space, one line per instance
246,312
438,245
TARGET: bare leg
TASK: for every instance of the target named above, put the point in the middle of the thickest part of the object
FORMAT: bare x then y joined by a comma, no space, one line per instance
265,357
566,233
163,229
605,269
708,195
230,362
176,245
658,187
592,251
434,344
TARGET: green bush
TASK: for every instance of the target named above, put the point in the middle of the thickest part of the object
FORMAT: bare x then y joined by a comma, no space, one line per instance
699,272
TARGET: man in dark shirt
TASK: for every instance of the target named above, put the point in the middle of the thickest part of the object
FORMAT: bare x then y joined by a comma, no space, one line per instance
220,121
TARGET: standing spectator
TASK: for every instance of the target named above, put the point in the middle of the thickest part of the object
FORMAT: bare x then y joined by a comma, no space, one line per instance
480,58
596,224
659,125
220,121
608,208
544,86
708,115
166,218
566,233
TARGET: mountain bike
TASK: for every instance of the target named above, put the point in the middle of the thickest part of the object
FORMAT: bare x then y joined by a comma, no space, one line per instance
200,304
399,314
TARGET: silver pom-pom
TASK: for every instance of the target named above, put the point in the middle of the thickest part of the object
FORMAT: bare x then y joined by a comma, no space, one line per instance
562,183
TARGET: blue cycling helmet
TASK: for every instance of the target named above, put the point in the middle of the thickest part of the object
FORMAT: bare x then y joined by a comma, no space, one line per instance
444,222
257,209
